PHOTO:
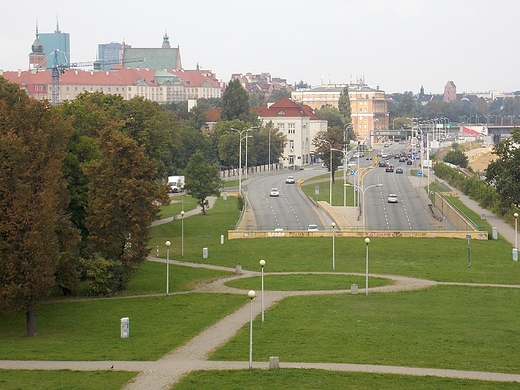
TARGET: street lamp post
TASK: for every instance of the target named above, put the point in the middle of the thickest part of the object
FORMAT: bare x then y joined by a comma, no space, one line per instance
344,180
240,138
330,169
251,294
262,264
168,243
367,241
333,246
363,190
182,233
515,251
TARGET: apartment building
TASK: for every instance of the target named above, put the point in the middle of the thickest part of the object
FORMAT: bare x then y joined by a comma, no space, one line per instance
369,107
299,124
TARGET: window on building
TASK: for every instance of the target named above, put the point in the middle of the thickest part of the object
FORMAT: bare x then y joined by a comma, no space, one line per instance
291,144
281,127
291,128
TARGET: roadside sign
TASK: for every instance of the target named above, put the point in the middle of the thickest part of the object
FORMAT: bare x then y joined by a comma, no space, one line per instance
352,172
419,173
317,190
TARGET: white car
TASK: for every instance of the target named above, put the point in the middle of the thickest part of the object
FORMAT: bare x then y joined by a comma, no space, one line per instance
313,228
392,198
274,192
290,180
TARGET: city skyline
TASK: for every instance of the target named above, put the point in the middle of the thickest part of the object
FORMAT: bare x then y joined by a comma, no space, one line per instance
397,45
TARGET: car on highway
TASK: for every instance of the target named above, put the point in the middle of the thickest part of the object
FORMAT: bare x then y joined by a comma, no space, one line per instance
274,192
382,164
313,228
409,162
392,198
399,170
389,168
290,180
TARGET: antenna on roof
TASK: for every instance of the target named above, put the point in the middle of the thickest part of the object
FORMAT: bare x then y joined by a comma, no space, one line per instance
57,25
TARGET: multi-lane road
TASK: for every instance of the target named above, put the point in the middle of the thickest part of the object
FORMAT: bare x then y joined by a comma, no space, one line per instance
291,211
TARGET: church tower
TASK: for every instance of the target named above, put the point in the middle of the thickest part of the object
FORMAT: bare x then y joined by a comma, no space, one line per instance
37,58
166,41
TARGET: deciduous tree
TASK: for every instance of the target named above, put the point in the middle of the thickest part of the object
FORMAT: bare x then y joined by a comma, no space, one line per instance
36,235
202,180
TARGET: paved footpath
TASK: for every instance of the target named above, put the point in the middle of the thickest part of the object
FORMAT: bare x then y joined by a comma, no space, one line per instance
193,355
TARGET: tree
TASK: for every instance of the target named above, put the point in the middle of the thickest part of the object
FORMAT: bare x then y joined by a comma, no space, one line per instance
235,103
332,115
36,235
504,172
334,136
457,157
202,180
267,140
123,200
344,106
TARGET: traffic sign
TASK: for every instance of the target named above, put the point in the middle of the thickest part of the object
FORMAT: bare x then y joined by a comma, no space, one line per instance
352,172
419,173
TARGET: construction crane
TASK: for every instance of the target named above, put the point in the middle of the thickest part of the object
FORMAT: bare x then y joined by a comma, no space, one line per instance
59,69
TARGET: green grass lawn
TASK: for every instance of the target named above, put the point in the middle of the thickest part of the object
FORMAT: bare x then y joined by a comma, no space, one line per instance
458,327
451,327
178,203
63,379
306,282
90,329
318,379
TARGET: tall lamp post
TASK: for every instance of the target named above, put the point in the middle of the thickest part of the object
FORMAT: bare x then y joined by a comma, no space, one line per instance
251,294
168,243
182,233
515,250
262,263
330,169
345,147
344,180
240,132
333,245
367,241
363,190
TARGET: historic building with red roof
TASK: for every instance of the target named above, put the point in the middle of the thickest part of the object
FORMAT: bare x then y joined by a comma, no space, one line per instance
299,124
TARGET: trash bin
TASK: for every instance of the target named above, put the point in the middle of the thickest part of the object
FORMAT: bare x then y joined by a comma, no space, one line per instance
125,327
495,233
238,269
515,254
354,289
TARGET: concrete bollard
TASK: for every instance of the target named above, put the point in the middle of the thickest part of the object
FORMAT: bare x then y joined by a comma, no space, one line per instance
274,363
238,269
354,289
204,253
125,327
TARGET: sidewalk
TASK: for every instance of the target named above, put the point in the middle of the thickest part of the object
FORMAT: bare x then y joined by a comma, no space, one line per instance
504,229
197,210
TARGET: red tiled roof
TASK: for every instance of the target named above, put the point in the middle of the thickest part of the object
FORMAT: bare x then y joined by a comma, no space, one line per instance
213,114
285,107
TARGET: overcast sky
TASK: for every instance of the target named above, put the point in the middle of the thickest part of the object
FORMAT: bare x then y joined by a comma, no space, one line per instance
397,45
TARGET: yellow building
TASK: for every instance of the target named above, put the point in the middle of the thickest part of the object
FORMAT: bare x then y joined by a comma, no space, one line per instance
368,105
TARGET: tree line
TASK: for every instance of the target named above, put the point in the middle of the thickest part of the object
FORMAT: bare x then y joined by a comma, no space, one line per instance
81,182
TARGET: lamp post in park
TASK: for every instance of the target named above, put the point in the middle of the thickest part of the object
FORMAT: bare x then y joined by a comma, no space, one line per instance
330,169
168,243
182,233
515,250
344,180
333,245
262,264
367,241
251,294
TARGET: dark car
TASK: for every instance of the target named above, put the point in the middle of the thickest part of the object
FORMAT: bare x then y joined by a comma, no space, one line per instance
399,170
382,164
409,162
389,168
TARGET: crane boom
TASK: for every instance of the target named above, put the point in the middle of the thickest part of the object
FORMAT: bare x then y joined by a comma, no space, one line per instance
59,69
